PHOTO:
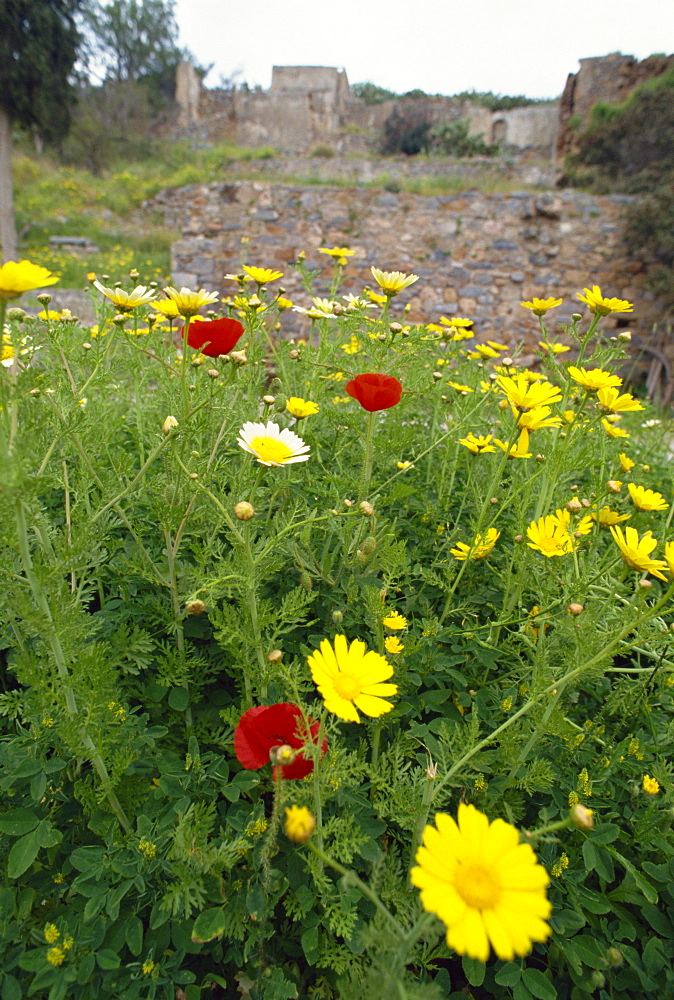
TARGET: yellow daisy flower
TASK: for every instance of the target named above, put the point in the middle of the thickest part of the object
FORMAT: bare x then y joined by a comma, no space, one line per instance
539,307
460,388
262,275
272,446
626,463
526,395
612,401
612,430
607,517
518,450
480,549
601,306
644,499
166,307
593,379
486,887
395,621
534,420
126,301
549,537
17,277
189,303
393,645
554,348
301,408
339,254
392,282
350,678
478,444
636,551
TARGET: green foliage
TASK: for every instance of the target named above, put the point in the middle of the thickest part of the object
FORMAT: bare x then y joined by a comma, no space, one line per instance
406,130
453,139
371,93
139,855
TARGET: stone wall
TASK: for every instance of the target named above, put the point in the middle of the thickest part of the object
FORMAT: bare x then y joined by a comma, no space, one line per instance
477,254
610,79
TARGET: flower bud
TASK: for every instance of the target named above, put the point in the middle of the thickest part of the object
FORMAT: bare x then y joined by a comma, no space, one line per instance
366,508
299,824
212,372
337,617
581,817
338,309
86,346
305,580
645,584
540,458
294,354
348,503
615,957
437,376
575,609
494,500
284,754
169,424
574,505
395,328
44,298
119,319
614,486
369,545
269,400
195,607
625,336
576,317
275,656
244,511
518,538
503,404
239,357
16,313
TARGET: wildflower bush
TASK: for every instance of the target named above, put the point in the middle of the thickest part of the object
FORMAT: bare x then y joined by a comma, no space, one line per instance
331,668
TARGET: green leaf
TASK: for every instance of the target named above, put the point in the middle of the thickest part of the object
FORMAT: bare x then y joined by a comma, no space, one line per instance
538,985
277,987
606,833
134,935
474,970
107,959
508,974
23,854
310,944
209,925
48,835
11,988
520,992
38,786
16,822
643,883
179,699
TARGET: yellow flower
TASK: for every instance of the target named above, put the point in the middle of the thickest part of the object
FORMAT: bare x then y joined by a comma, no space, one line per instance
17,277
669,556
636,551
166,307
644,499
601,306
480,548
549,537
540,306
486,887
626,463
611,401
651,785
352,346
534,420
301,407
272,446
477,444
554,348
593,379
488,350
51,933
612,430
606,517
147,849
392,282
340,254
393,645
283,303
458,323
350,678
147,967
189,303
518,450
395,621
299,824
460,388
526,395
262,275
404,466
126,301
55,956
582,527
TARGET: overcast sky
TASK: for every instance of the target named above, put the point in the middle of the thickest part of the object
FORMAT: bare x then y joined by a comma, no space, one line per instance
506,46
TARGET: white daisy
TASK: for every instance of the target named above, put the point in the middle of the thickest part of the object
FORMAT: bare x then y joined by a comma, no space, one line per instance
271,445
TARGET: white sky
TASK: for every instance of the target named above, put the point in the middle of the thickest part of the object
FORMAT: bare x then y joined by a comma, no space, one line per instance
440,46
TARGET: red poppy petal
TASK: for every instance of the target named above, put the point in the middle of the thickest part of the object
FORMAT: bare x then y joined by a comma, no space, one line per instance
375,391
214,336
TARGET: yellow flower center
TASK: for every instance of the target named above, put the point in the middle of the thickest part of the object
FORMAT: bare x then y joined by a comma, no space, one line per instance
270,449
347,686
477,886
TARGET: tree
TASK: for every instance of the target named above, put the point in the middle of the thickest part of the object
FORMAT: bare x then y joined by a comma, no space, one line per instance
134,40
38,48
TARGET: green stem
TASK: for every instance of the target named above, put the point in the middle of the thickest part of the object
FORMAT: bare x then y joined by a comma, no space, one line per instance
178,618
53,639
251,600
366,475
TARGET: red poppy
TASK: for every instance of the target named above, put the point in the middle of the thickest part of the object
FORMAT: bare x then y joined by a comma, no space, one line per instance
264,727
375,392
214,336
